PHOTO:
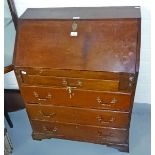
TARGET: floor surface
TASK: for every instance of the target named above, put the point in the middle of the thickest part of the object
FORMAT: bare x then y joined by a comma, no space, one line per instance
20,135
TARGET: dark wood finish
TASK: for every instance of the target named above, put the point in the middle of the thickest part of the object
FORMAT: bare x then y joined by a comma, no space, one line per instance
68,73
78,116
13,12
120,147
72,82
83,13
78,132
78,76
90,50
123,79
13,100
117,101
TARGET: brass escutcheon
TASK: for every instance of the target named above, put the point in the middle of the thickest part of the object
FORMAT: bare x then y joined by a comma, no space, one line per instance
74,26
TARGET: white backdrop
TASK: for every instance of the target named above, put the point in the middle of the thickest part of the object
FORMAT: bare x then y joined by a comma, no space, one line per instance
143,91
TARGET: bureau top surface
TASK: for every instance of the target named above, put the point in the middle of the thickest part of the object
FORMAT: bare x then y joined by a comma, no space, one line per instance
82,13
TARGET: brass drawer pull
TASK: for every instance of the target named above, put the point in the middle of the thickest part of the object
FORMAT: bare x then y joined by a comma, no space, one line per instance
101,102
102,121
114,100
51,115
53,131
49,96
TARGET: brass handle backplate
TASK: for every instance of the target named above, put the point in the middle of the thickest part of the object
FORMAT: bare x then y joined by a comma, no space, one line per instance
50,115
50,131
102,120
101,102
66,83
49,96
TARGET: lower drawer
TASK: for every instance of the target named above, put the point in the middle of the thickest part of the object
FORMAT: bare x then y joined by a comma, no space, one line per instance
78,116
81,133
77,98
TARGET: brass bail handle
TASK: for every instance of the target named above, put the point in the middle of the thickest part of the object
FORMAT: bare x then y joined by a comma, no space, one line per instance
49,96
102,120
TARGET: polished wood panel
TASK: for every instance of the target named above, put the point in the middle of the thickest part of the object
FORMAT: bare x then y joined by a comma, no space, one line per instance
71,82
78,132
126,80
78,98
78,116
90,50
69,73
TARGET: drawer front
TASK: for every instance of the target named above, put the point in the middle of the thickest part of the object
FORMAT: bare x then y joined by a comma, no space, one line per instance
82,133
69,73
94,84
79,116
76,98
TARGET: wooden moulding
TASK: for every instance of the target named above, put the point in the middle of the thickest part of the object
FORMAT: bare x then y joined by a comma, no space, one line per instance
120,147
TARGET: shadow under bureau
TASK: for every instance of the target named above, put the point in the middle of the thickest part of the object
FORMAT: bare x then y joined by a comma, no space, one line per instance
77,70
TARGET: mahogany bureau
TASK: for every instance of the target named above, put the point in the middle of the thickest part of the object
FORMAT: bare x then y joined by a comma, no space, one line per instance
77,70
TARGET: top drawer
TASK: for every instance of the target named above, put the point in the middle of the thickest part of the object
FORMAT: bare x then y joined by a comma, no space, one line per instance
89,80
92,84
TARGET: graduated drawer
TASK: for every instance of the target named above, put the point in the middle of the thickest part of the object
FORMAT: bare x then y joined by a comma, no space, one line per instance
78,116
78,132
77,98
81,83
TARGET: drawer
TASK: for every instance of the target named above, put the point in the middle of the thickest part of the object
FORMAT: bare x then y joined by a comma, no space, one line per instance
77,98
82,133
95,84
78,116
105,81
85,74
